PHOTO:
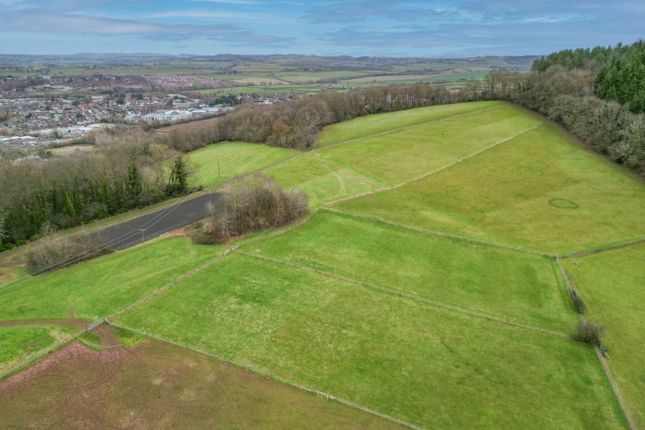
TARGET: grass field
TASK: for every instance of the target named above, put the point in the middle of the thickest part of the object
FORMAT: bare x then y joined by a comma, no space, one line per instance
108,389
497,282
377,157
399,356
104,285
18,342
428,294
451,76
385,122
538,190
612,285
235,159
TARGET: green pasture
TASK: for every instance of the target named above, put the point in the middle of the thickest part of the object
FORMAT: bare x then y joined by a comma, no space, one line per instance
384,158
19,342
100,287
321,178
539,190
497,282
368,125
401,357
235,158
612,284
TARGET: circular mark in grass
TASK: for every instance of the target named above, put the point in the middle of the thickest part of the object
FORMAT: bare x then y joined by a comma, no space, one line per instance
563,203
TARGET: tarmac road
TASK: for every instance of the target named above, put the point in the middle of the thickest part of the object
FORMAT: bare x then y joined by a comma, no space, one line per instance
146,227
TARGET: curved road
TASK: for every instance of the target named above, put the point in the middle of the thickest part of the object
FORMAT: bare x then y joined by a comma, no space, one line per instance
149,226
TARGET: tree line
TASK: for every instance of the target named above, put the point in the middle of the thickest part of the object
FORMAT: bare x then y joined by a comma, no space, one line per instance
567,97
619,71
296,123
43,195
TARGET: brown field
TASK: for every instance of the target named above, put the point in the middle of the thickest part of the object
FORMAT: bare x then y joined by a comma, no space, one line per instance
185,126
385,78
66,150
157,385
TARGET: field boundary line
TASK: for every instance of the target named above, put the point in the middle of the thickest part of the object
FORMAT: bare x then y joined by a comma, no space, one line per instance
605,248
438,233
437,170
565,278
265,373
184,276
614,387
409,296
601,358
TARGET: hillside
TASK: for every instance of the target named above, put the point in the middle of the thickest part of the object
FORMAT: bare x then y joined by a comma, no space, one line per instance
430,287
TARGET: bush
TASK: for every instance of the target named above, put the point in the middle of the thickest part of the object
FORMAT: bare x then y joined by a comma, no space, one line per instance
253,205
588,333
54,251
578,303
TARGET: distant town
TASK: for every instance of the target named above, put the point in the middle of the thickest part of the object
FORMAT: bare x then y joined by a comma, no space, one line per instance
48,102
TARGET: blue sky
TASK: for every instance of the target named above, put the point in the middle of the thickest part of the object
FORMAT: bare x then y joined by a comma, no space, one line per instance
427,28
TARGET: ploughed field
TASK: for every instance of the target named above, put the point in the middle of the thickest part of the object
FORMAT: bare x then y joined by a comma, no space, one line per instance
428,288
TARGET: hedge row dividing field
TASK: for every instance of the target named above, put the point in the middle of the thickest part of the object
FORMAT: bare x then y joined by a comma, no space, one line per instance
424,286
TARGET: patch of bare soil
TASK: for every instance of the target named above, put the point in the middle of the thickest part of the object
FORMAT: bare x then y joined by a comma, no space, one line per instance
7,275
155,385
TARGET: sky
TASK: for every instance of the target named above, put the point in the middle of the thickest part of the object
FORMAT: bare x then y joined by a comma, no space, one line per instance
414,28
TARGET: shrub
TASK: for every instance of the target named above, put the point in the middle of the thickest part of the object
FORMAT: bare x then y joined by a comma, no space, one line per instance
202,233
253,205
54,251
588,333
578,303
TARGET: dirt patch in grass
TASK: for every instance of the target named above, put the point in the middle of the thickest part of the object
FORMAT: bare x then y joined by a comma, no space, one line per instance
7,274
157,385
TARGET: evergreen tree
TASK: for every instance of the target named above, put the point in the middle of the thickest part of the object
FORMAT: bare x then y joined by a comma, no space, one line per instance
178,181
620,69
133,182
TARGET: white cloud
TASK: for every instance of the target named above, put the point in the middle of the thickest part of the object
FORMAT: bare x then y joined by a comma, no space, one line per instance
212,14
